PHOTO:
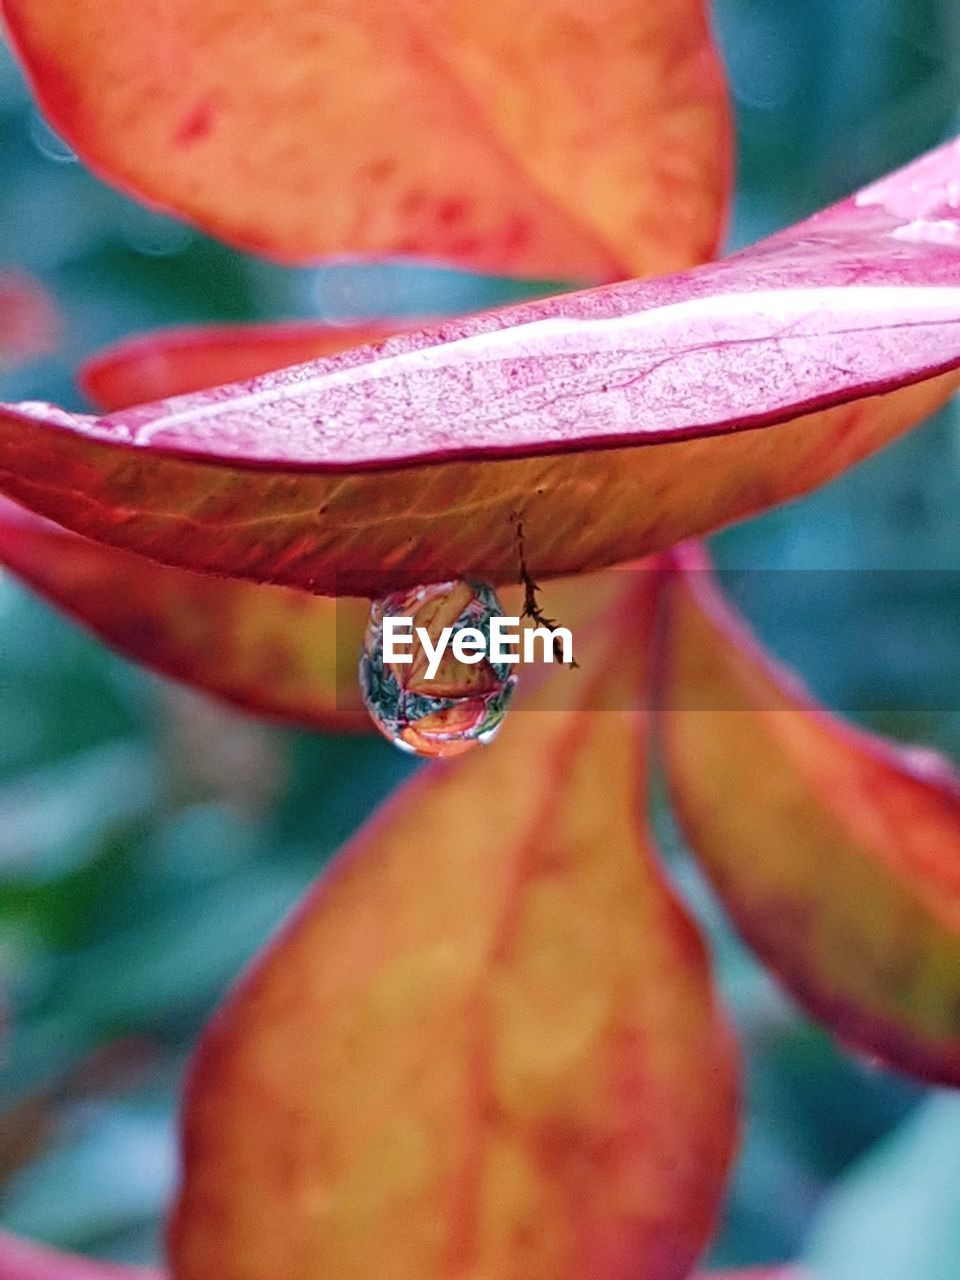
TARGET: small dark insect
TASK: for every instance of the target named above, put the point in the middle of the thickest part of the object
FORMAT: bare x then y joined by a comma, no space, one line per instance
531,605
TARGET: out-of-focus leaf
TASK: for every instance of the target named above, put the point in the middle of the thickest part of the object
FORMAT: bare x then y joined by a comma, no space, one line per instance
21,1260
487,1042
896,1214
28,319
282,653
171,362
410,461
564,142
836,852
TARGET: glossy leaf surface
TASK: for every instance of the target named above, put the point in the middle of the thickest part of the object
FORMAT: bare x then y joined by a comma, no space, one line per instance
486,1044
614,420
171,362
564,142
836,853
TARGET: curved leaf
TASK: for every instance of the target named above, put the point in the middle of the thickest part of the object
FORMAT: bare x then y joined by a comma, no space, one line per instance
266,649
486,1044
836,853
613,420
170,362
21,1260
282,653
274,651
533,138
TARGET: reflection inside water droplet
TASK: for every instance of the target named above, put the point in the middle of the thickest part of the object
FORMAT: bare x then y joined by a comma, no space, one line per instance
463,704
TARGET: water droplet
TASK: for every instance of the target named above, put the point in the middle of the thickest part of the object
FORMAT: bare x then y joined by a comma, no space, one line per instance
463,704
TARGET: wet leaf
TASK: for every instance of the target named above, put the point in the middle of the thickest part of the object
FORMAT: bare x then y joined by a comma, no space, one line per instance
486,1042
564,143
170,362
613,420
836,853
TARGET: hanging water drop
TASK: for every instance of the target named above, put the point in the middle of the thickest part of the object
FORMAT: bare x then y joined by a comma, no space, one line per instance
462,705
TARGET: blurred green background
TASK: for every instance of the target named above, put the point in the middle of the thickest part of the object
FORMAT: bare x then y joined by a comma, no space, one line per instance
149,841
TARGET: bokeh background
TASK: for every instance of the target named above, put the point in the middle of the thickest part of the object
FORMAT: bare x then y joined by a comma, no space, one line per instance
150,841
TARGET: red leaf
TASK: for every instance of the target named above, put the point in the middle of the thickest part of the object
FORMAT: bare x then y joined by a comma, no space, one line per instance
266,649
20,1260
836,853
410,461
528,137
170,362
486,1044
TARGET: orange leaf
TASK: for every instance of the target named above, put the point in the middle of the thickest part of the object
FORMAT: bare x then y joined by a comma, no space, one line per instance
21,1260
282,653
171,362
530,137
836,853
487,1044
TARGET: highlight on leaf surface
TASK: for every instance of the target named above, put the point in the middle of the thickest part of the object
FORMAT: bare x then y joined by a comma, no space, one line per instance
409,462
171,362
487,1043
566,142
836,853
